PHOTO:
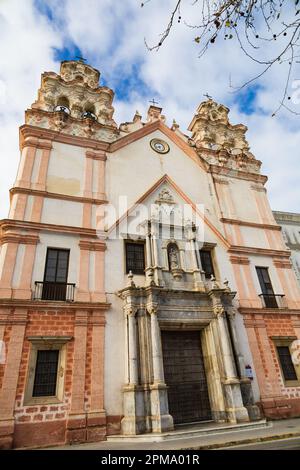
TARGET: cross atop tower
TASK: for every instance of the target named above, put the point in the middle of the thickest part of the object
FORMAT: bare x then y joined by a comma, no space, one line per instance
153,102
208,96
81,59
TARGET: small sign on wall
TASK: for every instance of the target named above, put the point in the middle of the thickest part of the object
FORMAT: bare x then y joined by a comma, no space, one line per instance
249,372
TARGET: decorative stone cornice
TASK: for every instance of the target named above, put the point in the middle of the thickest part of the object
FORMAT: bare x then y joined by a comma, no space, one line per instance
7,224
43,305
32,141
92,246
246,223
50,195
221,180
56,136
238,173
63,123
287,217
254,322
19,238
100,155
249,250
239,260
270,311
49,339
282,263
259,188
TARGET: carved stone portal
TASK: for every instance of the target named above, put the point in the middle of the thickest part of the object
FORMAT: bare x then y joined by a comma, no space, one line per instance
147,311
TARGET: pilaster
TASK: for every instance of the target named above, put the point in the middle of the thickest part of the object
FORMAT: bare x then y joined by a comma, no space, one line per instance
236,412
76,424
11,375
96,416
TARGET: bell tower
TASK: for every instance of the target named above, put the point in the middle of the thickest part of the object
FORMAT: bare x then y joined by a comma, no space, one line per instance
73,102
52,293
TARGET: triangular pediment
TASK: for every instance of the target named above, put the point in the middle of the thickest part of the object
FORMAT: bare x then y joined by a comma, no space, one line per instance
159,201
150,128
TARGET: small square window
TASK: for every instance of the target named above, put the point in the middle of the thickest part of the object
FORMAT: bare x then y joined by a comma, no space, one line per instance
135,257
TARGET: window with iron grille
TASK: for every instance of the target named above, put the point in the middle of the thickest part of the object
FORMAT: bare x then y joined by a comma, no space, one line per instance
45,373
207,263
135,257
286,363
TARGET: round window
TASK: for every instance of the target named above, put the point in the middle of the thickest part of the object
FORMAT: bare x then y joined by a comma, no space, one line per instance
159,146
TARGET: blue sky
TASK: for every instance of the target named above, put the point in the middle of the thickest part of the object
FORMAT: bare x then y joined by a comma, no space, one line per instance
36,35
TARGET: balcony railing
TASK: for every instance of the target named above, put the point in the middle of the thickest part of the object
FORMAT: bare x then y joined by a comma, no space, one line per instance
273,300
61,291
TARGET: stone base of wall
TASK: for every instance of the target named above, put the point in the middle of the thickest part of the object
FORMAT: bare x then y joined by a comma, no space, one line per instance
39,434
6,434
86,428
52,433
281,408
113,425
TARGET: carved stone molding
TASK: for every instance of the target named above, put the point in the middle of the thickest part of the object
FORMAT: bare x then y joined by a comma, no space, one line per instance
165,197
239,260
130,310
219,311
73,102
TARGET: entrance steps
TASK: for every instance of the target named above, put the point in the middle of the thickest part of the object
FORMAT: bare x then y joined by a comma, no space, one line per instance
190,431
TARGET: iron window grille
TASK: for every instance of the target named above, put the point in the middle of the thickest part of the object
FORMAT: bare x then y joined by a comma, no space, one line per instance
46,373
287,366
135,257
207,263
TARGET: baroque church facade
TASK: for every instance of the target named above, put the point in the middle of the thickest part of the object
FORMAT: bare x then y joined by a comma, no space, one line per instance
145,283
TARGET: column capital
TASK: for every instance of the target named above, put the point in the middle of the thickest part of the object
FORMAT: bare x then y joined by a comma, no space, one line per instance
19,316
130,310
219,311
231,311
152,309
81,318
296,321
98,155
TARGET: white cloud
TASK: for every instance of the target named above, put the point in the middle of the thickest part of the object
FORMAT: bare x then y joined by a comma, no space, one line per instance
112,38
26,40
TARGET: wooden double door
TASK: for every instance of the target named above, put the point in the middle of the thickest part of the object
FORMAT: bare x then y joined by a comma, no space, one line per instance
185,376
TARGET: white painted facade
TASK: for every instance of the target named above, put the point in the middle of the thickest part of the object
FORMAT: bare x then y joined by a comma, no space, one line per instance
290,224
89,186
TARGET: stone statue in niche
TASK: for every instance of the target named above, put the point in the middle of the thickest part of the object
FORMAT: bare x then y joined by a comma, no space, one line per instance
174,263
173,256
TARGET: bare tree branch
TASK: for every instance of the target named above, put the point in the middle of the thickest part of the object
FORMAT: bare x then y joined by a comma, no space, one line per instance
253,23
